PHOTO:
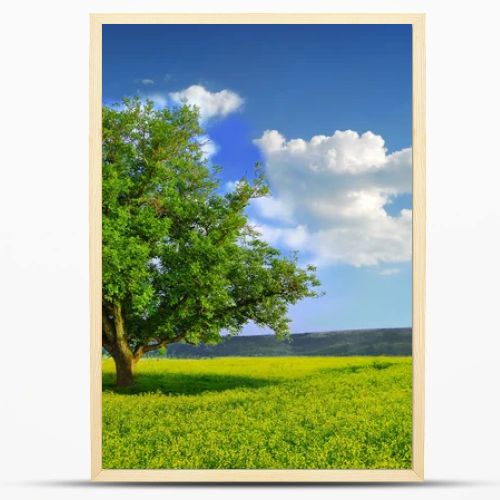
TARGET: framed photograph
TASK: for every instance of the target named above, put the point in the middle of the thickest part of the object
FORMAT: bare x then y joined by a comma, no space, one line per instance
257,247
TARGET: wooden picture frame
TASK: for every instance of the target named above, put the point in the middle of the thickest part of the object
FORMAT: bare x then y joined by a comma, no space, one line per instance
418,263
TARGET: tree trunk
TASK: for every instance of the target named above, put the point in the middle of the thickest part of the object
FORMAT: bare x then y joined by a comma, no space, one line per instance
124,363
115,342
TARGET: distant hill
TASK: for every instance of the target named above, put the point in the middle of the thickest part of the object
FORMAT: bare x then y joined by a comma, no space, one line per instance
381,341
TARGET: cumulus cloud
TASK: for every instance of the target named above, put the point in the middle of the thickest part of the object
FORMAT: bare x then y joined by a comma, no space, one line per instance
294,237
208,147
158,99
210,104
273,208
231,186
329,197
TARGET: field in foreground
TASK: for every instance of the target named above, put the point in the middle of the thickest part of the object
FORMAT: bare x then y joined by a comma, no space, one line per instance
252,413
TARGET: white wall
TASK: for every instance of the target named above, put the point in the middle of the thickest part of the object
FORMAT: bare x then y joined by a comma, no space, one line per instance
44,429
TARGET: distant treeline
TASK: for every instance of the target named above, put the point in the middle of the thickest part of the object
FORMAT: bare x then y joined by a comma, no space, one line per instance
382,341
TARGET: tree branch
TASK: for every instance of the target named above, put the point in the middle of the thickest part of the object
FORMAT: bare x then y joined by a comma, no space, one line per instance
142,349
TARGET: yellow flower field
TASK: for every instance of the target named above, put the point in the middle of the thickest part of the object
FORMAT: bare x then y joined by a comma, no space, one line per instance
260,413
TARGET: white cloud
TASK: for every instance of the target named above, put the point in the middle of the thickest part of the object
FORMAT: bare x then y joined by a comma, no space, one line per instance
293,237
344,151
272,208
147,81
208,147
231,186
159,99
210,104
329,197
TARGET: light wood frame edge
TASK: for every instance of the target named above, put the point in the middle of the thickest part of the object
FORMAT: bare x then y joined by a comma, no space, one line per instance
256,475
95,238
107,475
419,244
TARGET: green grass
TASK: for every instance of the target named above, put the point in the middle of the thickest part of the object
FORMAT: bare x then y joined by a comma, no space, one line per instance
253,413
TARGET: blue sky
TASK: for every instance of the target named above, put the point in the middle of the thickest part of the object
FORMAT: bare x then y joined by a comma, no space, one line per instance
327,110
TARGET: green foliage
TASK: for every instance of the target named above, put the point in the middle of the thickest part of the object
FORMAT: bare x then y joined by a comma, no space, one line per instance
251,413
179,259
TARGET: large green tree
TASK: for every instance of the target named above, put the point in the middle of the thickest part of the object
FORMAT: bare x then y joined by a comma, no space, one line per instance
180,261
